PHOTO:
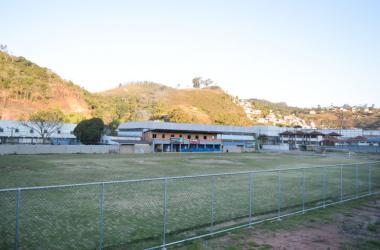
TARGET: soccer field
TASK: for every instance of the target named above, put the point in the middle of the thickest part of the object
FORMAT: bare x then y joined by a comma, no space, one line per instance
37,170
131,215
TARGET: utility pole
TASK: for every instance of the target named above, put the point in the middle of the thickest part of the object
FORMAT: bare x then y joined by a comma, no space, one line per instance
11,128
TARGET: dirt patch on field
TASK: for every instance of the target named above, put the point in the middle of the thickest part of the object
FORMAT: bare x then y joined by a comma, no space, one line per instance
345,227
326,237
214,162
355,228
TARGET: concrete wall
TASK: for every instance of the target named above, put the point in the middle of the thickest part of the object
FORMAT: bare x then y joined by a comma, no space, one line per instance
135,149
280,147
233,149
362,149
57,149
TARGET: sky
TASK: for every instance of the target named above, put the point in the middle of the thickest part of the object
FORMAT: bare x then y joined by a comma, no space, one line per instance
302,52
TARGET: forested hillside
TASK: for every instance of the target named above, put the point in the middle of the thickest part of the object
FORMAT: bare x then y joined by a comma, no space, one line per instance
26,87
207,105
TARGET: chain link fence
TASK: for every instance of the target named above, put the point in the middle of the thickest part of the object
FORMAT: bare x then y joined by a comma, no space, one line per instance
160,212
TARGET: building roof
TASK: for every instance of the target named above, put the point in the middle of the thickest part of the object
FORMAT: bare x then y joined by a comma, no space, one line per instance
334,134
287,133
331,139
357,139
374,139
316,133
299,132
169,126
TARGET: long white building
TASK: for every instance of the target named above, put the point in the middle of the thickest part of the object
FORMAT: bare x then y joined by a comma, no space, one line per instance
15,132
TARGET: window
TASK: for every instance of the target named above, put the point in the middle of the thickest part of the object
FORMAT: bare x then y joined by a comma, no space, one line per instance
172,136
1,130
154,136
72,132
31,131
189,137
197,137
180,136
45,131
163,136
59,131
205,137
17,130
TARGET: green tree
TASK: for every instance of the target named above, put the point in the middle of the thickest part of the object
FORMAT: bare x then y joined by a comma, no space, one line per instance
180,116
121,108
45,122
112,127
89,131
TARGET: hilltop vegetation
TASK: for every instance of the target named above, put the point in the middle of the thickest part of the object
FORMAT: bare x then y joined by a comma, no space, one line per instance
26,87
208,105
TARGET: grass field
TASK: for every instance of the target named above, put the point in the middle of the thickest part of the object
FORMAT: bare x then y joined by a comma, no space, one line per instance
67,218
36,170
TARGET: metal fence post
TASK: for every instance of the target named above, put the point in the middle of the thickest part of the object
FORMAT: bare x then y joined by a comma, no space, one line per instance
165,211
303,191
212,202
356,180
323,170
250,197
18,205
279,194
341,183
370,179
101,216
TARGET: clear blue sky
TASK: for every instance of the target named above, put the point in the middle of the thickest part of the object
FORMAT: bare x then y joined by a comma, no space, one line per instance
305,52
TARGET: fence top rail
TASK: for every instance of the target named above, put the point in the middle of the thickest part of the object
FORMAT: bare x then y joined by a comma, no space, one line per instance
182,177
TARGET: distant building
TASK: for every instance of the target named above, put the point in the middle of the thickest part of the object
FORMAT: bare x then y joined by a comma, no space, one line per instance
274,135
14,132
184,137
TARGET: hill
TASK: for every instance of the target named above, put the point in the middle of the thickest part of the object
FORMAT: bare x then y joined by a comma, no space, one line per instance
207,105
26,87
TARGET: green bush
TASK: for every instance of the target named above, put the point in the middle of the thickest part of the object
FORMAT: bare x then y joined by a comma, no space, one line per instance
89,131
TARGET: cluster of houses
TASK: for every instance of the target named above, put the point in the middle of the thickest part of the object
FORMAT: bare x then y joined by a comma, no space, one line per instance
152,136
301,138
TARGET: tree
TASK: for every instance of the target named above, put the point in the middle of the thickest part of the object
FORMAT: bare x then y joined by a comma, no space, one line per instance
89,131
197,81
112,127
45,122
208,82
340,117
180,116
121,108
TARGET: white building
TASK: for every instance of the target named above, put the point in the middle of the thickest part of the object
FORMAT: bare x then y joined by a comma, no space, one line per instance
15,132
